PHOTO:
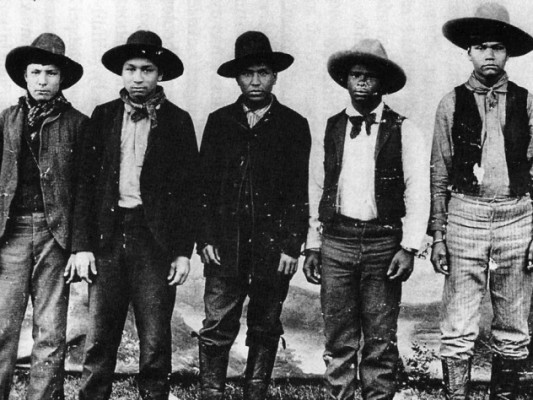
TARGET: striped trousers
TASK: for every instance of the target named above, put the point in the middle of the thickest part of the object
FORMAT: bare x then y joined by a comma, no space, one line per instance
487,246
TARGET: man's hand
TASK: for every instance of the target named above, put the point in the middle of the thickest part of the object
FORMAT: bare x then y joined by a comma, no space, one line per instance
209,255
70,270
313,267
287,265
401,265
439,258
85,265
179,271
529,266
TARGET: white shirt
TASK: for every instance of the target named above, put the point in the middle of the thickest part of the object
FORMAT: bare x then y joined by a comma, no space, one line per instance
356,197
133,143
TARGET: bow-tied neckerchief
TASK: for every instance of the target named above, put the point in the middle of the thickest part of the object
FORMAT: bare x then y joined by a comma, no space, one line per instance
37,112
491,99
148,108
357,123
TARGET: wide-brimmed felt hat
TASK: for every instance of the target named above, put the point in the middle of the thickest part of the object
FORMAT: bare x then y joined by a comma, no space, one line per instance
490,22
254,47
368,52
47,48
144,44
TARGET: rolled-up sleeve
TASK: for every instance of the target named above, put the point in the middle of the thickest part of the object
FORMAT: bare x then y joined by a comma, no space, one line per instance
441,161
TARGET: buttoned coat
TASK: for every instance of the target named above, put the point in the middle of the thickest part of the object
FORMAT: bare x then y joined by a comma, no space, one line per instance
61,138
269,164
167,183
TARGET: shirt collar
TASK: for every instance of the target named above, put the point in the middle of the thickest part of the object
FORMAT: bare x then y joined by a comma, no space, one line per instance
352,112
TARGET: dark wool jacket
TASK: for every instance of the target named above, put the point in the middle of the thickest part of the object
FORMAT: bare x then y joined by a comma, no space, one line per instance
61,137
168,180
270,162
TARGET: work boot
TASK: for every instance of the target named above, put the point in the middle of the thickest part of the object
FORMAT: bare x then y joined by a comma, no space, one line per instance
213,368
259,366
456,376
505,379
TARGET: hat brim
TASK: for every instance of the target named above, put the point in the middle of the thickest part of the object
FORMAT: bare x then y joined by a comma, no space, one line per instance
276,60
463,32
169,63
18,59
392,76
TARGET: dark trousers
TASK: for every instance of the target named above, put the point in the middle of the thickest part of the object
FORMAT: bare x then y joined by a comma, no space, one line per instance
133,270
32,265
224,298
356,297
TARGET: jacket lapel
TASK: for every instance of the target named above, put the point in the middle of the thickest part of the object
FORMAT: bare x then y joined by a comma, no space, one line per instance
338,132
383,132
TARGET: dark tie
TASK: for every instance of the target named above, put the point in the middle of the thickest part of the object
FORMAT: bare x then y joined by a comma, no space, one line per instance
357,123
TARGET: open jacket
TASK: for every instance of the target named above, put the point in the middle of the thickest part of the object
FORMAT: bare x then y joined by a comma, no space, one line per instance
167,182
267,163
61,137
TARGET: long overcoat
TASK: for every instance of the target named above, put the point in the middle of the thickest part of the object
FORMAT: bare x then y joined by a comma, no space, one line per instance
264,168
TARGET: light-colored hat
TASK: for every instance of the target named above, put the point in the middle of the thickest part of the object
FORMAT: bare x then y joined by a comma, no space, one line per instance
372,53
490,22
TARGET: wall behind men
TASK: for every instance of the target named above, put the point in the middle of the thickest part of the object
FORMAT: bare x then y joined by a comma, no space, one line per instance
203,33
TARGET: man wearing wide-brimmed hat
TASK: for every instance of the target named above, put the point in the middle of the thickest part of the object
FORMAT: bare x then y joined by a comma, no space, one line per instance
369,204
40,149
481,215
133,232
254,158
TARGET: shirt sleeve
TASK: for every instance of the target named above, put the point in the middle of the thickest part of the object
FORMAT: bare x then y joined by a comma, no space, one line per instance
441,161
530,147
316,187
415,161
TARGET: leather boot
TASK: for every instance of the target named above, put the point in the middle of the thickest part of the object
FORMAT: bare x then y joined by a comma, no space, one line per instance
213,369
505,379
259,366
456,375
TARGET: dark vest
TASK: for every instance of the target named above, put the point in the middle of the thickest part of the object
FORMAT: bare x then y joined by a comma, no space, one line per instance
466,136
389,182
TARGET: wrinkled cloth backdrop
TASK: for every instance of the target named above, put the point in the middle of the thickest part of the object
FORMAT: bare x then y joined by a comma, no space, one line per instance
203,34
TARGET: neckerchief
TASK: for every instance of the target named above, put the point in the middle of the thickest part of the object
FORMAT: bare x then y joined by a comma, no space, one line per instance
146,109
491,93
254,116
38,112
357,122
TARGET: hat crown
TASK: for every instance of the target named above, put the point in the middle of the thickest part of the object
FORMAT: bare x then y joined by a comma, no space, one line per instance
50,42
493,11
145,38
252,42
371,46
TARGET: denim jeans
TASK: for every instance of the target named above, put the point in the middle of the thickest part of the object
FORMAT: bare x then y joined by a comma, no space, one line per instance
32,265
134,269
357,296
224,298
487,245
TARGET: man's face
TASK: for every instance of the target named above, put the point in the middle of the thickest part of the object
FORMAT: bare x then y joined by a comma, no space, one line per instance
363,82
140,77
256,82
43,81
488,58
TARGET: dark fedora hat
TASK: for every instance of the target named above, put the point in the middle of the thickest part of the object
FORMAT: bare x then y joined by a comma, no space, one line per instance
254,47
490,22
47,48
368,52
144,44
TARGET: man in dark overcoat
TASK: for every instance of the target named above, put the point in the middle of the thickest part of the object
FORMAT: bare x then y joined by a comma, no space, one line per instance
40,148
133,233
254,157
